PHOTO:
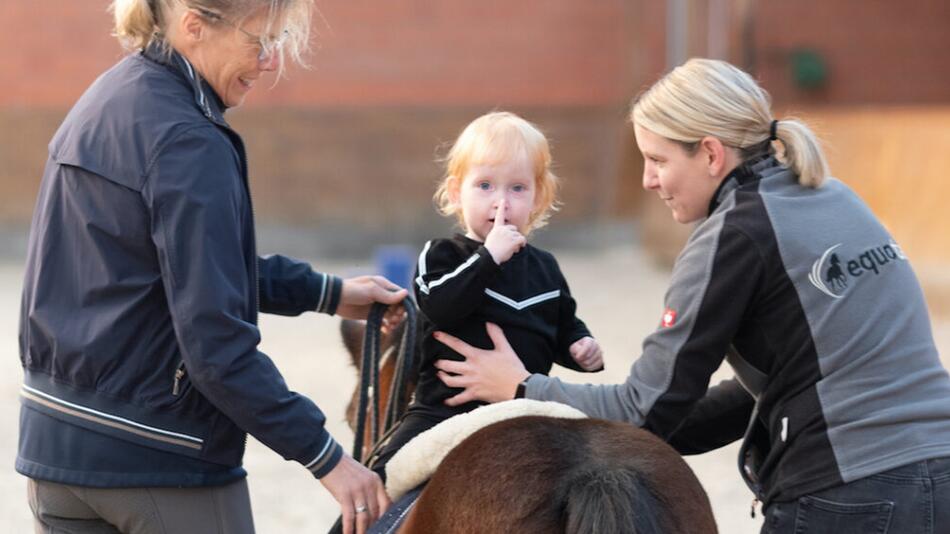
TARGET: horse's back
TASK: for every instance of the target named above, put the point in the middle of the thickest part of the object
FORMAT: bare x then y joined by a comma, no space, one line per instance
541,474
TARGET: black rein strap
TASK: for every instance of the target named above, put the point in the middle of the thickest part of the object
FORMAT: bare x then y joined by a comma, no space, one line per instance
369,375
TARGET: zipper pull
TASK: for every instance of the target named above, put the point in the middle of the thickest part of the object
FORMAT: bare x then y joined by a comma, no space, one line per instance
179,374
755,502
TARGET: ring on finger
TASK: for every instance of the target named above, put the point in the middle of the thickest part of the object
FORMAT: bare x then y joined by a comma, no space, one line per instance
360,508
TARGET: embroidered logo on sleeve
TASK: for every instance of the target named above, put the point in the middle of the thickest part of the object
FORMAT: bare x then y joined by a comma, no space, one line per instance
669,318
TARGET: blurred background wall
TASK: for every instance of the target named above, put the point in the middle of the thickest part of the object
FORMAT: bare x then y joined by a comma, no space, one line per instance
343,156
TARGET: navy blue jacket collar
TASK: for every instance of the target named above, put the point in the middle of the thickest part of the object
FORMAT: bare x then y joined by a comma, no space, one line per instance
206,98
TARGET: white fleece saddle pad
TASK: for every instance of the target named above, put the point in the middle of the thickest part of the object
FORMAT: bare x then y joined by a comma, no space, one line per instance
417,460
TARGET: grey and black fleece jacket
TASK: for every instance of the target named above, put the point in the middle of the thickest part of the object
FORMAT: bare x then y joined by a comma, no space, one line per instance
818,311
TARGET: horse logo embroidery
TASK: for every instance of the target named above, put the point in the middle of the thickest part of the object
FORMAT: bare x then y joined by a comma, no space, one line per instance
876,260
835,275
834,278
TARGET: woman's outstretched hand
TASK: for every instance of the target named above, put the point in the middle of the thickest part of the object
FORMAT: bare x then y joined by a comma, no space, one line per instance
486,375
361,292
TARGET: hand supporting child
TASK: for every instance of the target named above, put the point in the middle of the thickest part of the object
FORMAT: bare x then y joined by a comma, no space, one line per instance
504,239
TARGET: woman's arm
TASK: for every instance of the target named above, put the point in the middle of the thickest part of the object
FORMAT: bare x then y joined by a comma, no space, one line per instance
717,420
291,287
713,282
199,207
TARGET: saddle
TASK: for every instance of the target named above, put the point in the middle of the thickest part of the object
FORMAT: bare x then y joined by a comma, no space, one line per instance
415,462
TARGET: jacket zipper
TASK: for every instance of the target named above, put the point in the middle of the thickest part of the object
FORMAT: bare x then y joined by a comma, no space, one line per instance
250,202
179,374
239,145
748,476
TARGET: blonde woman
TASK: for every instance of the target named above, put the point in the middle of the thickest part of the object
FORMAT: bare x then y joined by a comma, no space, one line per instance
138,331
840,396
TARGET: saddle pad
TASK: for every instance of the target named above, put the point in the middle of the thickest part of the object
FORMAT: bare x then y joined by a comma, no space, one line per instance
417,460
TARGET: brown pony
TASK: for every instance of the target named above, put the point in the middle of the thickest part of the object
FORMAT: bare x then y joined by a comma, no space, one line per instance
543,475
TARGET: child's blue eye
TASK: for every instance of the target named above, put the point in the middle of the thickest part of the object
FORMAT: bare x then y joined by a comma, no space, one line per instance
519,188
484,186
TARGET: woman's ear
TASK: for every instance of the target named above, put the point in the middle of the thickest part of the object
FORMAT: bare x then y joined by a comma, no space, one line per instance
191,25
714,154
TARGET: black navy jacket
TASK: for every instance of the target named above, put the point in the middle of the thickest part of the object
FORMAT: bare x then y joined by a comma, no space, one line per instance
459,288
138,332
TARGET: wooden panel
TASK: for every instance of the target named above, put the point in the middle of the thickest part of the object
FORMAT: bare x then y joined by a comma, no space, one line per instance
898,160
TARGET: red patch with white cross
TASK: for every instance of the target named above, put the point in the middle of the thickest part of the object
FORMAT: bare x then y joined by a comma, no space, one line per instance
669,318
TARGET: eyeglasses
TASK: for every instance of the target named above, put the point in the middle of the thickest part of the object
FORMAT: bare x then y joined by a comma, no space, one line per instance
268,46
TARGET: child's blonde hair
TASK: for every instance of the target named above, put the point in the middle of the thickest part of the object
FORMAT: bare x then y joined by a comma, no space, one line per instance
488,140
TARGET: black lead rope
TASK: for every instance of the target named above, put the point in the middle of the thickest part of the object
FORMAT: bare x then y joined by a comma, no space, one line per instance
369,376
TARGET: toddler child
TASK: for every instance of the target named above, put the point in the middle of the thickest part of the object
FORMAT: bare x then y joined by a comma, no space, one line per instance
499,185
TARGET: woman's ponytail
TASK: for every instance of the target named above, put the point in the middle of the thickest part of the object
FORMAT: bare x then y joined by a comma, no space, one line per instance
136,22
803,153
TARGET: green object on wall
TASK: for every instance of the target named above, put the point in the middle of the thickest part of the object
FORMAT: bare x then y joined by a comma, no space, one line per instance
809,69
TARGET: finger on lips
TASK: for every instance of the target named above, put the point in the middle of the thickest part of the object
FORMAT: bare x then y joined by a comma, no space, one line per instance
500,214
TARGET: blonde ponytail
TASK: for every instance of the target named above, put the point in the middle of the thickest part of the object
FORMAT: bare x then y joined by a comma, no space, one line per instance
707,97
803,154
136,22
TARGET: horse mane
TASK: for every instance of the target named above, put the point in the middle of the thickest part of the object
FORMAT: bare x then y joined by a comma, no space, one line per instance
613,502
610,490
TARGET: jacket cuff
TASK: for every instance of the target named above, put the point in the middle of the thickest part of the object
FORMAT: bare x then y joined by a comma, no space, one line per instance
531,385
330,288
328,456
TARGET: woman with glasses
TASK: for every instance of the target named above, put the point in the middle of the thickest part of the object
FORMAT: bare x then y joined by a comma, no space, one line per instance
138,330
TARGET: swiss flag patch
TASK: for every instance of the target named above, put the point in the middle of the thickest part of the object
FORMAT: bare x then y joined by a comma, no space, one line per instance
669,318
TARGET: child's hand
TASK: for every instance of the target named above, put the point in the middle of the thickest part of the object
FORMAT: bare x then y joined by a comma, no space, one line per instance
586,352
504,239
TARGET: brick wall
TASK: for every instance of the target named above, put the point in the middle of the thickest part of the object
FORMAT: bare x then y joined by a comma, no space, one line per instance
389,82
368,53
876,51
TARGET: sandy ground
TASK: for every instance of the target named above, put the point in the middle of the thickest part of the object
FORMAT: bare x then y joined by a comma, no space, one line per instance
620,298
